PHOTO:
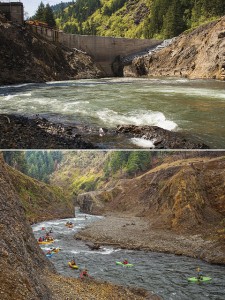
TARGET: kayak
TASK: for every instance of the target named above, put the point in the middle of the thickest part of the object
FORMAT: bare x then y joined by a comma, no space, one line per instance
46,242
73,266
122,264
49,254
56,250
195,279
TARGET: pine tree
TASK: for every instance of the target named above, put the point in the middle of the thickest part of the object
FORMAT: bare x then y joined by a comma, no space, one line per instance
40,13
49,16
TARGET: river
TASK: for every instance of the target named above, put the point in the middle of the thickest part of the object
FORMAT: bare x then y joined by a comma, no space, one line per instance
165,274
194,107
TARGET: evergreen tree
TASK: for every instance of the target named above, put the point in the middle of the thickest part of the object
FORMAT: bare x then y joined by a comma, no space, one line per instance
40,13
49,16
173,23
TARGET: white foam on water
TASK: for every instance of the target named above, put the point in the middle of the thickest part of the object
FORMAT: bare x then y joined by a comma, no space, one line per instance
138,117
15,86
9,97
143,143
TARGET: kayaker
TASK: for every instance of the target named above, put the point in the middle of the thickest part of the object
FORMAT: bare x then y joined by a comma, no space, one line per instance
49,252
73,263
199,273
40,239
125,262
84,274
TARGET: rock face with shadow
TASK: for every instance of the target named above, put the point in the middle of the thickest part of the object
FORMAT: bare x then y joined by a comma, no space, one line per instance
28,57
21,259
196,54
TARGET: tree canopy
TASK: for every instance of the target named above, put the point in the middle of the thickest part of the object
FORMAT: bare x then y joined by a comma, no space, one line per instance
45,14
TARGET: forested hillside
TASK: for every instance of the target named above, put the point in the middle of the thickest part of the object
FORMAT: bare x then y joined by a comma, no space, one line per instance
36,164
136,18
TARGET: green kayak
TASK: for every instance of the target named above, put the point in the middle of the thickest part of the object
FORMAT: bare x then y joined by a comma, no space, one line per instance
195,279
125,265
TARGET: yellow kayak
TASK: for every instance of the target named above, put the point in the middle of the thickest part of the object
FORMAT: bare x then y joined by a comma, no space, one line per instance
46,242
73,266
56,250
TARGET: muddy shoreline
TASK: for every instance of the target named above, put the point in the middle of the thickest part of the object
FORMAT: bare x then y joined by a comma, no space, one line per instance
35,132
135,233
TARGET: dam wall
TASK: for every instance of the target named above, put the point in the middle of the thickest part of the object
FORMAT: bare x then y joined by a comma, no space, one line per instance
103,50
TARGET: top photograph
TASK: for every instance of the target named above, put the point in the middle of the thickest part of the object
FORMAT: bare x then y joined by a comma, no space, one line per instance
112,74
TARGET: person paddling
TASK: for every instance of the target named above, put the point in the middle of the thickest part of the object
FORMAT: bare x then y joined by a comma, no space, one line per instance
84,274
199,274
125,262
72,262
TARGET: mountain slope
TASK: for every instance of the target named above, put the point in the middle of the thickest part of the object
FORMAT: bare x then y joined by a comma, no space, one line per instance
136,19
21,259
40,201
184,195
197,54
80,171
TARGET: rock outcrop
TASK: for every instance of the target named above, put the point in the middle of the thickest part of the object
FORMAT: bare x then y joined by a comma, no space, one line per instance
28,57
21,259
185,195
196,54
177,207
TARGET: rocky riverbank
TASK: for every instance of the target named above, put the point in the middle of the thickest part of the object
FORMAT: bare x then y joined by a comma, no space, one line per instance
28,57
71,288
130,232
18,132
196,54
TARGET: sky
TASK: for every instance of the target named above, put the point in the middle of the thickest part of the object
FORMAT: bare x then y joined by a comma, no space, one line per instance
30,6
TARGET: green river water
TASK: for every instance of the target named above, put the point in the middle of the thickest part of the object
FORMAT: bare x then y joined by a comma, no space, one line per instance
194,107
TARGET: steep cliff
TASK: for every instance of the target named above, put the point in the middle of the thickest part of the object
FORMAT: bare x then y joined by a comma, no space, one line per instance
28,57
182,195
21,259
197,54
40,201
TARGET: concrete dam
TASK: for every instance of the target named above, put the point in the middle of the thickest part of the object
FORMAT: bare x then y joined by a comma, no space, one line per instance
107,52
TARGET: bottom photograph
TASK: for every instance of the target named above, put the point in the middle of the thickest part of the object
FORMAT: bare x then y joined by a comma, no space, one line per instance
112,225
